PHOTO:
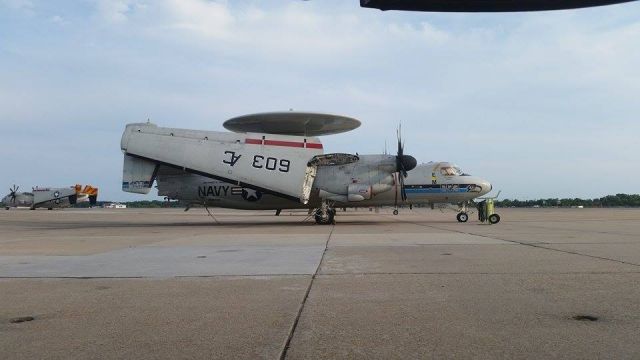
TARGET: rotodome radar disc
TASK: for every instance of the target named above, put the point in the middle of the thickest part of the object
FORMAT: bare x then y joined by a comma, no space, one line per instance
292,123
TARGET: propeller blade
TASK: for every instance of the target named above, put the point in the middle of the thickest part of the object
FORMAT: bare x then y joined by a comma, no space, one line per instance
400,150
404,163
13,190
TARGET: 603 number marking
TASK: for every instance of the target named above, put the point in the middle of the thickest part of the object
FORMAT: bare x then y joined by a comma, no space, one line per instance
271,163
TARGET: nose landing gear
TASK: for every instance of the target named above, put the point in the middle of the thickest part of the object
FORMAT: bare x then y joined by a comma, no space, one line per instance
463,215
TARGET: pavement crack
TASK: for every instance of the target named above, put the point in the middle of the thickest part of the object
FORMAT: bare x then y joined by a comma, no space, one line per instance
294,326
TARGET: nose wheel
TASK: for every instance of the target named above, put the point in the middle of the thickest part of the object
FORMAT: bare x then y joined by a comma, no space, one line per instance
462,217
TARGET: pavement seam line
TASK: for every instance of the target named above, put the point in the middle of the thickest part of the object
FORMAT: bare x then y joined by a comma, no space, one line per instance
154,277
523,243
294,326
303,275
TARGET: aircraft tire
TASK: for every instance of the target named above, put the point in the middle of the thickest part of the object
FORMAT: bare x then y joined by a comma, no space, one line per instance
494,219
462,217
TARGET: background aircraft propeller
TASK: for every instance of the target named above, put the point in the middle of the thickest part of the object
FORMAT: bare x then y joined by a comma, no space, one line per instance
12,192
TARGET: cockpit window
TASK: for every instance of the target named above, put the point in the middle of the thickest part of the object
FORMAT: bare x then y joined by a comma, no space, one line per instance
450,171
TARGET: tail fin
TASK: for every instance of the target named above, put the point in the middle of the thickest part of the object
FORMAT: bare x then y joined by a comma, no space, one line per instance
88,191
138,175
93,194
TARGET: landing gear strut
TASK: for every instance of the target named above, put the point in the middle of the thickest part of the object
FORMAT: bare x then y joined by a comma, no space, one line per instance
325,215
462,214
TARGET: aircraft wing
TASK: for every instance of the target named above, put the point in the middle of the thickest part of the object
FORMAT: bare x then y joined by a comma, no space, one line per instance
275,164
483,5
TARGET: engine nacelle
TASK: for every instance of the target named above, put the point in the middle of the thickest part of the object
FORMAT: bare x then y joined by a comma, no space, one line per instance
380,188
359,192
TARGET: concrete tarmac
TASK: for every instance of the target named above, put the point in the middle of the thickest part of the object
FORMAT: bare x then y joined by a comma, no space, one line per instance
162,283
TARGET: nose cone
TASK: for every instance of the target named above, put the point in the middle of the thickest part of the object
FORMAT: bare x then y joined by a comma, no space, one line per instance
409,162
486,187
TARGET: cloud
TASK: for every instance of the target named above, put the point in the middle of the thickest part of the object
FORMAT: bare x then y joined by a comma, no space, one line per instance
204,18
18,4
57,19
21,7
116,11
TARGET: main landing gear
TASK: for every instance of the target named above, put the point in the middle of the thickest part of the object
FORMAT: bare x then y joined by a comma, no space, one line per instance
325,215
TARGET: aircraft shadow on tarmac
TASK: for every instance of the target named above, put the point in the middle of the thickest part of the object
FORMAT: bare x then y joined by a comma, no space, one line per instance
222,223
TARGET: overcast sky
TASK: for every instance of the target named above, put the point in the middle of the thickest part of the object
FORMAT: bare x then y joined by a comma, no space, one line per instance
541,104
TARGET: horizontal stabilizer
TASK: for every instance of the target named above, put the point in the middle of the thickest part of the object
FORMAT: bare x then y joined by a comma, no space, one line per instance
138,175
274,164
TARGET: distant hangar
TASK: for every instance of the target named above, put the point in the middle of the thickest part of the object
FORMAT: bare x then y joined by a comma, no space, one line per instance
483,5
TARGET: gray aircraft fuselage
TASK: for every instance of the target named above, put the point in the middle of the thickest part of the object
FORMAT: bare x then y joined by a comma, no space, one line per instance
49,199
426,184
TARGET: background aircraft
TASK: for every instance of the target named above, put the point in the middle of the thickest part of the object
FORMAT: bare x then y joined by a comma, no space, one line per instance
50,198
274,169
483,5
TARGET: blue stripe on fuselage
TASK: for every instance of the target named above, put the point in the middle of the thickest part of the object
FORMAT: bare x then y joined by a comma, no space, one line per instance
442,188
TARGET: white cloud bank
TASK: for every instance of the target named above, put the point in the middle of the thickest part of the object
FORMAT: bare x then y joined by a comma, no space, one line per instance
550,98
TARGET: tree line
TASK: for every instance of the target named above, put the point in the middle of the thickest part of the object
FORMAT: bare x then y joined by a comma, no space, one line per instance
618,200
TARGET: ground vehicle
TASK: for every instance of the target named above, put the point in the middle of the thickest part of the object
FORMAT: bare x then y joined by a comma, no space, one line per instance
486,212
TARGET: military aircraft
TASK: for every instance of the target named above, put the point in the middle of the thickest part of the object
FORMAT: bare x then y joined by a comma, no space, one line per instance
275,161
50,198
483,5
